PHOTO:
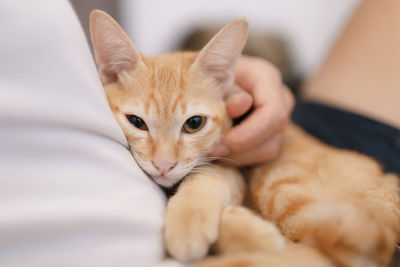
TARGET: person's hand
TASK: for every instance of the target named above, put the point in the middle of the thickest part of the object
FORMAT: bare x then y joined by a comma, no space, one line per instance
257,138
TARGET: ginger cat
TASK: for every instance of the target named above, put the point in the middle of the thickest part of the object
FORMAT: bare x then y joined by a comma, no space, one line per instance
332,207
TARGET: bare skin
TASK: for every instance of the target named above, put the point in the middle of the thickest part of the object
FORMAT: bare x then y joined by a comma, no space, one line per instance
258,83
360,74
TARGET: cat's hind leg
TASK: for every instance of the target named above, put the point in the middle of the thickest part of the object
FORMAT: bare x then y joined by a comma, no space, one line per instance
358,229
246,239
242,231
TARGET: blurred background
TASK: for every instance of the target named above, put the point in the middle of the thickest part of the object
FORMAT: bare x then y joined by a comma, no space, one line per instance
294,35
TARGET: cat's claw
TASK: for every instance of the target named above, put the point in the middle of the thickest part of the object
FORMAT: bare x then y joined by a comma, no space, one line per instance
190,229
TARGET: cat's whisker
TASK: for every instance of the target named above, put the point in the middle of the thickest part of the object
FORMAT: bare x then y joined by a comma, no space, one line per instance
234,162
201,168
204,166
206,163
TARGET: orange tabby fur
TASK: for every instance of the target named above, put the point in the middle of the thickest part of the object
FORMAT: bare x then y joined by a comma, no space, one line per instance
339,201
337,204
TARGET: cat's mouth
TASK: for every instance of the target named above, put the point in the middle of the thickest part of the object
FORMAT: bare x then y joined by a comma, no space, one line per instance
165,181
168,179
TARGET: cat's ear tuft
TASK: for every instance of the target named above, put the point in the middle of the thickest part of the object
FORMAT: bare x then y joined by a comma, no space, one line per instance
219,57
114,53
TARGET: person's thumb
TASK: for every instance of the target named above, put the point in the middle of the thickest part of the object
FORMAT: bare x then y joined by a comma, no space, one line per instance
238,101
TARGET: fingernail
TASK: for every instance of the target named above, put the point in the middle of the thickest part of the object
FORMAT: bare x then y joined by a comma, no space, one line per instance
234,95
221,150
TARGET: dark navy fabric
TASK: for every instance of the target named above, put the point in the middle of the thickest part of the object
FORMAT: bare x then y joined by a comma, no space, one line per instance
347,130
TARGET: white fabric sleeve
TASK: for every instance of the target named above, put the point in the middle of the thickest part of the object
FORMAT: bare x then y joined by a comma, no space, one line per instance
70,192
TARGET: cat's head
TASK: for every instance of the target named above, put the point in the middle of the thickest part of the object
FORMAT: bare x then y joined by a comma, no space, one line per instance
171,107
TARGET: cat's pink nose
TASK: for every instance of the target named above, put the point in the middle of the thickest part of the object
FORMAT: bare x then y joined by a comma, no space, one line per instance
164,165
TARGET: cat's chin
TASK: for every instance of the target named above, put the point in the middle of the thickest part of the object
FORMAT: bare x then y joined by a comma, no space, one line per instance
165,181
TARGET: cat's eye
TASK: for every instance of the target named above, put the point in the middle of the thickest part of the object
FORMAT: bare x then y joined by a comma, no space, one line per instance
194,124
137,122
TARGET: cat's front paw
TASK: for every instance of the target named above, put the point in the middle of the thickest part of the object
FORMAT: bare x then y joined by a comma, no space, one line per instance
190,228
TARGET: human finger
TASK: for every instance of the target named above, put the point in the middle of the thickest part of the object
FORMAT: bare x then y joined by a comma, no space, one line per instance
289,99
238,101
266,152
263,123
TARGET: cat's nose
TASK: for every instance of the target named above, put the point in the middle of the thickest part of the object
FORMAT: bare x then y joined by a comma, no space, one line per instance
164,165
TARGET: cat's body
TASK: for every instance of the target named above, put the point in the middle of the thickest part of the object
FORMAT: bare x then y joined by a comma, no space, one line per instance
336,200
172,111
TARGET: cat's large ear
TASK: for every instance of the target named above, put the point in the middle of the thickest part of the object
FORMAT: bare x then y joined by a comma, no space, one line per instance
219,57
114,52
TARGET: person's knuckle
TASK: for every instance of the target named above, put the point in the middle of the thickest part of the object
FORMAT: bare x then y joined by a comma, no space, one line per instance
275,153
289,94
282,118
272,153
268,153
275,74
268,68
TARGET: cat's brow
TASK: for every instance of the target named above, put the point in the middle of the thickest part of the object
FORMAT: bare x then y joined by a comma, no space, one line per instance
177,100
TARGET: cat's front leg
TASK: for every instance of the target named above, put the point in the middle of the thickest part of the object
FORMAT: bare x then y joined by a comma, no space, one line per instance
193,213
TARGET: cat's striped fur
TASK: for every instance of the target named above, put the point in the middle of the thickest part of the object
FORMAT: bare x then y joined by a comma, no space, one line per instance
331,206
